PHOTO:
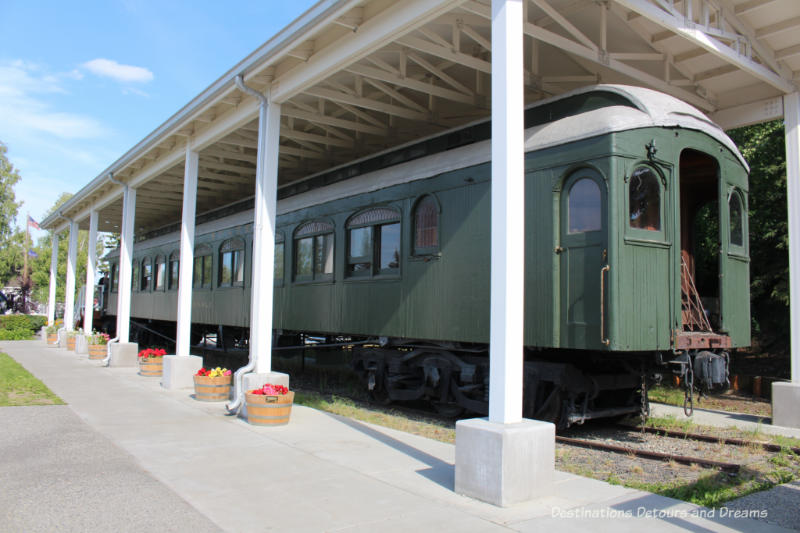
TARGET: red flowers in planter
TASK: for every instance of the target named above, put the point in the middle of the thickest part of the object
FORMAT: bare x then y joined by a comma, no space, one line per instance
270,390
152,353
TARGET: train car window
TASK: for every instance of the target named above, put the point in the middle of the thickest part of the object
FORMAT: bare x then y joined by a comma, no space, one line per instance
160,272
644,194
147,274
736,214
174,270
231,263
426,226
313,245
279,259
373,246
135,275
585,209
201,273
114,277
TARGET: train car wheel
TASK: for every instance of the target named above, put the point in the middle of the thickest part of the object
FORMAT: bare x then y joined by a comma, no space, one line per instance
449,410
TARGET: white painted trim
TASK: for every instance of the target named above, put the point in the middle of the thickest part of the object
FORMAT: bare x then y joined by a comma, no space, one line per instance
748,114
125,264
51,300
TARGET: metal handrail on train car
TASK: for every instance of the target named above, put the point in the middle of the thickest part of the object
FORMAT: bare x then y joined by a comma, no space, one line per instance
603,339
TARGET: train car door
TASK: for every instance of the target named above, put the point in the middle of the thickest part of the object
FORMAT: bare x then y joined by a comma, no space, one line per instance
582,254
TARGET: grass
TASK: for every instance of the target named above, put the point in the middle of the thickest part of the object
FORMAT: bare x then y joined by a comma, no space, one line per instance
19,387
385,417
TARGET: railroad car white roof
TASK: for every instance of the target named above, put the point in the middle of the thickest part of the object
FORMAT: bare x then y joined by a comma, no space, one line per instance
357,77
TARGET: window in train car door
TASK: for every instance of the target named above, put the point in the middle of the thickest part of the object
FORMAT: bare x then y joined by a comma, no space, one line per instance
581,250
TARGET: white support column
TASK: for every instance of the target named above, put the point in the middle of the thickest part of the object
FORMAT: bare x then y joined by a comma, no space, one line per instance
264,237
91,266
125,257
179,369
786,396
72,263
506,460
187,254
508,214
51,301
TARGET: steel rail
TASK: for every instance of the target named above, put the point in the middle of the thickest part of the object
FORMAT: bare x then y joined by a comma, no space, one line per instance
768,446
647,454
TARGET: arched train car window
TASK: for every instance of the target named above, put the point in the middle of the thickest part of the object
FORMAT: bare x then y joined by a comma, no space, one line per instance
373,243
160,271
426,226
279,258
736,214
585,208
135,275
147,273
114,277
313,251
231,263
644,194
201,273
174,270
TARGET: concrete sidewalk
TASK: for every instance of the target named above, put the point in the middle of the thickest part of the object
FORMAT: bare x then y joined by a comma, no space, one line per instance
323,472
706,417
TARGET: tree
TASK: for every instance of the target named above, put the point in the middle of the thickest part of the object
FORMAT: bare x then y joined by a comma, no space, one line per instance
764,148
11,247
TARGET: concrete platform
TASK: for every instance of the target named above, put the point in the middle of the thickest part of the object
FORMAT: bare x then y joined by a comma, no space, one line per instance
322,472
742,421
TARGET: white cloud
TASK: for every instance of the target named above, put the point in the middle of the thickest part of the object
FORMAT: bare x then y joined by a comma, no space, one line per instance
117,71
25,112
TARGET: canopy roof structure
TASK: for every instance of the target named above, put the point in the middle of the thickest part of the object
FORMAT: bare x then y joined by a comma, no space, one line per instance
358,77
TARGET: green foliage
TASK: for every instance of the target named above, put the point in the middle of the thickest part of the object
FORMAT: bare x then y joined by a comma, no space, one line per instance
29,323
763,146
10,240
15,335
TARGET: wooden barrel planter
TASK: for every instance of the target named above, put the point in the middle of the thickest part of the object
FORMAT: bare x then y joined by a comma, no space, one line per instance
97,351
71,343
265,410
151,367
207,389
52,338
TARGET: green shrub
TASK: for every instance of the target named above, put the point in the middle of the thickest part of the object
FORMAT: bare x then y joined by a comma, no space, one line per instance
15,334
30,323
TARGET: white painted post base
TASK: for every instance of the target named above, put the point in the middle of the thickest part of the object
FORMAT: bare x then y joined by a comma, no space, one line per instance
256,381
786,404
179,369
81,345
124,354
504,464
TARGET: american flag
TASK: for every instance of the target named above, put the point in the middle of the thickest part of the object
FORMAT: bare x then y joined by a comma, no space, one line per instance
32,223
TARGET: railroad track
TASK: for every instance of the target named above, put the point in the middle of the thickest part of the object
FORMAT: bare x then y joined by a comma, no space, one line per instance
767,446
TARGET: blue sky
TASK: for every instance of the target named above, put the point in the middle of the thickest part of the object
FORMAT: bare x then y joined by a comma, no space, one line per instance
82,82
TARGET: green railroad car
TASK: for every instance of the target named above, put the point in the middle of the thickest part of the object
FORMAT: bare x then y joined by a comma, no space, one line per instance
636,259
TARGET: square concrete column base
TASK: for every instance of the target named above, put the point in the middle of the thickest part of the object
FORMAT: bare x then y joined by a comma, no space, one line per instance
179,369
124,354
81,344
786,404
504,464
256,381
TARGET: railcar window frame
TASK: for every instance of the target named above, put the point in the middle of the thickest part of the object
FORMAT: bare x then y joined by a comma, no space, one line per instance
740,249
280,242
114,285
319,238
430,202
159,261
644,235
204,257
174,273
571,208
376,220
231,251
146,281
